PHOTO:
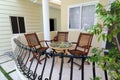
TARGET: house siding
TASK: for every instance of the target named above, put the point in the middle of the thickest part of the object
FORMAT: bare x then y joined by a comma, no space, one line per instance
32,14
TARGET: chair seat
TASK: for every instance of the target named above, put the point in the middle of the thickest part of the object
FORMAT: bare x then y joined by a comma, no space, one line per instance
61,37
77,52
43,48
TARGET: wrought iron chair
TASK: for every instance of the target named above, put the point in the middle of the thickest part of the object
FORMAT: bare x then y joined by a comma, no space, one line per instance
33,41
61,36
82,46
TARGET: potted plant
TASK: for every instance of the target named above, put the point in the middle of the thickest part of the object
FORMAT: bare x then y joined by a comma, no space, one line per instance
110,20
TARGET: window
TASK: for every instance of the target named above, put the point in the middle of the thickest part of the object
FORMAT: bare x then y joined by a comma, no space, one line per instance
18,24
74,18
81,16
52,24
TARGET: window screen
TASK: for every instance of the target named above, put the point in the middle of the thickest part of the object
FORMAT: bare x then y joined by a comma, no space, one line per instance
74,18
87,16
82,16
14,24
21,24
18,25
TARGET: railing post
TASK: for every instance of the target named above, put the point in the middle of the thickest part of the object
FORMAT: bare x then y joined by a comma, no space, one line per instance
71,73
61,67
53,62
94,75
41,76
82,65
105,71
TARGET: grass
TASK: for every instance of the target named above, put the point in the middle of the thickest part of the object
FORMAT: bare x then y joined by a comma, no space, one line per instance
5,73
11,71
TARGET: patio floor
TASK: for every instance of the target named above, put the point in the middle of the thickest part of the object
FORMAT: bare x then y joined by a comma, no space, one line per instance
7,68
8,65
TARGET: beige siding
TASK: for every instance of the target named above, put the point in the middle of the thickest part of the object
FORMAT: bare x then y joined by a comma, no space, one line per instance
25,8
5,33
57,16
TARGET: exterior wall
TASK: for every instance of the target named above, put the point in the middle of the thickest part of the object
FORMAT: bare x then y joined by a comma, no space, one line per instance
64,16
25,8
72,37
56,14
64,10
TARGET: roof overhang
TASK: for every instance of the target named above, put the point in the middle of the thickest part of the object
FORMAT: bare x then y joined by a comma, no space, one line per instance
53,4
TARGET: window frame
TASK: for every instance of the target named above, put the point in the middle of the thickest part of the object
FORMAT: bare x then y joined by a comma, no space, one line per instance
18,24
81,5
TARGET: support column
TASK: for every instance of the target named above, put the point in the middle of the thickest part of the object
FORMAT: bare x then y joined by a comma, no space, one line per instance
46,26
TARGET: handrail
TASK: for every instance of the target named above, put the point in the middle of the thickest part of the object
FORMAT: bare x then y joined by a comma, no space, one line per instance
23,53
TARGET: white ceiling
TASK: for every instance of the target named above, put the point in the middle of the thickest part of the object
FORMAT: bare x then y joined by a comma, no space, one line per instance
56,1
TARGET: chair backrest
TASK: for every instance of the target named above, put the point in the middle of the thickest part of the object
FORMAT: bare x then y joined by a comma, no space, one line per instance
62,36
32,39
84,41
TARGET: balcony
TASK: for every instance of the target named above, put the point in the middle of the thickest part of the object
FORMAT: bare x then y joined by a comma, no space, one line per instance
55,67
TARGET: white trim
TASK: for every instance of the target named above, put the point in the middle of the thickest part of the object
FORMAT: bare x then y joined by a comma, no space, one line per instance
18,25
80,5
25,24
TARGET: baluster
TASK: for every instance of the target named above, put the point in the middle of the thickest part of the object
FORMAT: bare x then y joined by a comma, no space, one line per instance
29,73
53,62
41,76
82,71
94,75
71,72
61,67
24,67
105,72
39,55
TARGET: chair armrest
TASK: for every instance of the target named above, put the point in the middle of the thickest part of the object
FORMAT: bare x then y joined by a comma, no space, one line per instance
48,40
55,38
42,40
52,40
86,46
74,42
31,45
45,40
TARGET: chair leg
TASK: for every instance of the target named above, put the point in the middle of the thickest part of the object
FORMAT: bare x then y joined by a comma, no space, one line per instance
69,60
87,62
44,58
75,63
36,57
80,66
31,58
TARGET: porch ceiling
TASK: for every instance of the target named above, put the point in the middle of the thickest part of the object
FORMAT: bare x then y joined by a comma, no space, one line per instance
52,3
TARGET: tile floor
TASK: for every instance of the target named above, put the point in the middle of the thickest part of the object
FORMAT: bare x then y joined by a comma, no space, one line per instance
8,65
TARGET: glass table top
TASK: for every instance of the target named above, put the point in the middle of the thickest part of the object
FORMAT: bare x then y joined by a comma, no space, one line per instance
61,44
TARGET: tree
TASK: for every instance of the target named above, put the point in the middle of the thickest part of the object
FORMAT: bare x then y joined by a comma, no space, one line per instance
110,20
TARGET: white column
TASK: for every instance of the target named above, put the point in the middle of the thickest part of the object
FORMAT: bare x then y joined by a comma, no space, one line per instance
45,8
